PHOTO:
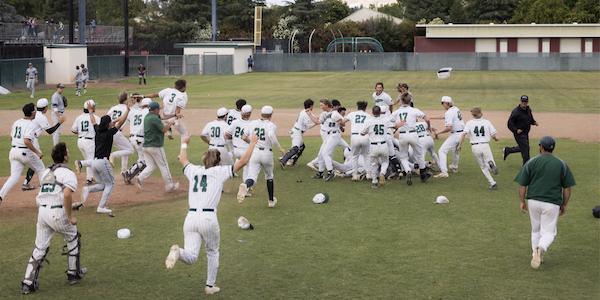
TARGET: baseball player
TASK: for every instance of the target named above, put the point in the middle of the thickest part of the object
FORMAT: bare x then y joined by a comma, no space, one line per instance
31,78
427,143
136,137
384,101
174,100
263,155
377,128
235,132
455,125
54,215
84,129
58,108
314,164
142,73
23,152
78,78
407,136
86,76
403,89
480,130
154,154
232,115
347,168
120,141
40,123
101,165
331,120
303,123
360,144
216,131
201,224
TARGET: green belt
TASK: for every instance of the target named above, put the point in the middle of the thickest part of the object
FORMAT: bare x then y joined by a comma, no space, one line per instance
53,206
378,143
204,209
217,145
265,149
298,129
356,133
408,132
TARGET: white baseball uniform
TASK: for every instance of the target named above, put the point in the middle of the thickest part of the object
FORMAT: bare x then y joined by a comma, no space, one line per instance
377,128
215,130
383,100
360,143
451,118
20,156
427,143
136,130
232,115
119,140
329,120
41,125
53,218
324,135
300,126
237,129
348,166
86,142
263,151
407,135
201,224
480,131
173,98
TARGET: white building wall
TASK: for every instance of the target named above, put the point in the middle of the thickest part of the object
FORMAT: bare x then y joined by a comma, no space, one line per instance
61,62
485,45
589,45
240,55
570,45
528,45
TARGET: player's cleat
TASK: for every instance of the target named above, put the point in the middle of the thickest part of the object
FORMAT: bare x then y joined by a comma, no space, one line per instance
27,289
127,181
281,164
454,169
248,194
73,279
441,175
242,191
138,182
173,187
30,96
312,167
538,254
291,163
381,180
103,210
172,257
78,167
493,168
504,153
330,176
409,178
272,202
111,160
368,176
84,194
170,135
427,176
362,176
84,91
29,187
355,177
494,187
318,176
209,290
339,174
374,185
91,182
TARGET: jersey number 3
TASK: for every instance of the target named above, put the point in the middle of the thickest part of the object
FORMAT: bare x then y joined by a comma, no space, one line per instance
202,183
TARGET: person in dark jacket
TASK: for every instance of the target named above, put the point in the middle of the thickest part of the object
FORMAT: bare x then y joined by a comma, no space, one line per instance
519,123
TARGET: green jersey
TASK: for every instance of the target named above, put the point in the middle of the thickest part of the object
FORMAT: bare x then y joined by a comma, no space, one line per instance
545,177
153,136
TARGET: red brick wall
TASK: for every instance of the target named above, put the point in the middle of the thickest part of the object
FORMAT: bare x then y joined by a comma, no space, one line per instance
423,44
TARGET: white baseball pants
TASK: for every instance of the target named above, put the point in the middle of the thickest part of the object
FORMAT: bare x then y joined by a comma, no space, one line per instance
137,144
182,131
87,148
427,144
56,134
380,150
449,144
326,151
483,155
202,226
296,138
19,158
156,157
360,147
544,217
31,85
125,149
406,140
238,152
106,180
261,158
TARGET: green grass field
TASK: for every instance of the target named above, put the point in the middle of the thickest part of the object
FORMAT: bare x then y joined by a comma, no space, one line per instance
564,92
388,243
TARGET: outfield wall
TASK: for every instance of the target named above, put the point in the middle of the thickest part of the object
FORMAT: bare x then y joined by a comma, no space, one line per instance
408,61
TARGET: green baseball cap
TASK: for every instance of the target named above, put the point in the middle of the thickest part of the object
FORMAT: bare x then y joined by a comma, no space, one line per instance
547,141
154,105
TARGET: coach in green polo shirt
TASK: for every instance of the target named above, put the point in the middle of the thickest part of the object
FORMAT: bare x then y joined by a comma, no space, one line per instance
154,135
547,180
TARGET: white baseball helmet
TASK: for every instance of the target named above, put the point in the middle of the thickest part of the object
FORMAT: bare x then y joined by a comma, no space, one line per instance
123,233
321,198
244,224
441,200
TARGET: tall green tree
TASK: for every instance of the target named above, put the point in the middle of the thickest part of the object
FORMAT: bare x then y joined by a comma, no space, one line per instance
548,12
28,8
392,9
520,15
332,10
458,14
59,11
110,12
425,9
492,10
586,11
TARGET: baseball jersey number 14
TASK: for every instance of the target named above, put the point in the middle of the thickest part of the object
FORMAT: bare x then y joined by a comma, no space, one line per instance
202,183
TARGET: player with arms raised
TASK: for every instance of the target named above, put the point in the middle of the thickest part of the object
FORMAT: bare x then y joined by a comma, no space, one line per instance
174,100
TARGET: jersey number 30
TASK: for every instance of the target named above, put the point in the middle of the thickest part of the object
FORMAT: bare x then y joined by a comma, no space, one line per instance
202,183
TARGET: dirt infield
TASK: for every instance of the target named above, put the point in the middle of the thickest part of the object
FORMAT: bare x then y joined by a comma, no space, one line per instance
195,119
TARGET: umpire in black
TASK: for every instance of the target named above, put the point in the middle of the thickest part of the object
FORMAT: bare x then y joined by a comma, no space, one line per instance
519,123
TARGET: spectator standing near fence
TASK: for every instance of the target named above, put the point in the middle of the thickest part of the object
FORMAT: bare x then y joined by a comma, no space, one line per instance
31,78
142,73
250,64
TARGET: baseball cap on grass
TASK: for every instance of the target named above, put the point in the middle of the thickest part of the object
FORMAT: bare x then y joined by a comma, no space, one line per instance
547,141
88,104
43,102
321,198
246,108
221,112
267,110
154,105
123,233
446,99
441,200
524,98
243,223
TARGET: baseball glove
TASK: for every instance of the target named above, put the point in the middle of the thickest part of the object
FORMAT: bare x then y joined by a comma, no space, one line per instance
77,206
